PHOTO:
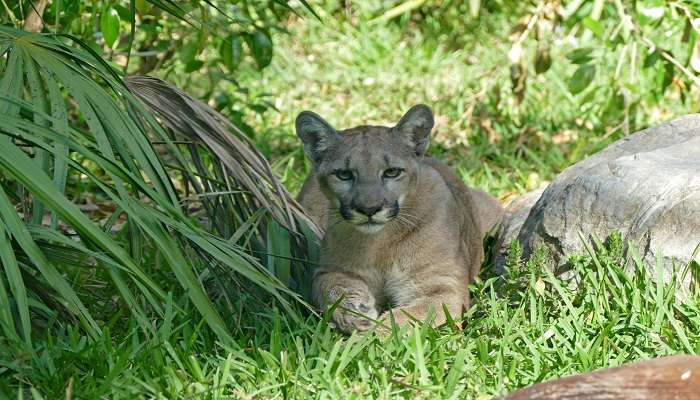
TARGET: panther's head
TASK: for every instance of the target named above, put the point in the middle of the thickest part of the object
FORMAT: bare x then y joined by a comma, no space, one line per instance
367,171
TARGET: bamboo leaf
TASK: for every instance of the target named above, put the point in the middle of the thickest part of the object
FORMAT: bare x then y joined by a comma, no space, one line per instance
115,270
109,23
60,121
48,271
279,252
11,83
38,93
18,166
19,294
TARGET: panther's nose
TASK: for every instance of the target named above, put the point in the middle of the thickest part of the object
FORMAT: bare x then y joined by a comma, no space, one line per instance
368,211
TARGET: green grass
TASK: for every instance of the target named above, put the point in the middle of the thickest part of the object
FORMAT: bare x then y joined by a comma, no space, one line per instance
525,327
353,72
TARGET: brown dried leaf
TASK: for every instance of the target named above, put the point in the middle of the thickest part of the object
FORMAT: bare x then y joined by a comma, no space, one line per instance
247,167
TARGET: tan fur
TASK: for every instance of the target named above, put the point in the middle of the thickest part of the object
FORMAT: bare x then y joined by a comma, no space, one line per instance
418,262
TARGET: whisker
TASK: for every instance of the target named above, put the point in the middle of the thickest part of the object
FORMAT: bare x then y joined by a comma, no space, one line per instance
405,222
410,217
334,217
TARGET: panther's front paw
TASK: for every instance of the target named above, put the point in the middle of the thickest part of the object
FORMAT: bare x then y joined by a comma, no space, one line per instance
355,312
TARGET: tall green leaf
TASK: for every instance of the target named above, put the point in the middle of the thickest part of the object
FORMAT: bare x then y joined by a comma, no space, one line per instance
103,138
109,23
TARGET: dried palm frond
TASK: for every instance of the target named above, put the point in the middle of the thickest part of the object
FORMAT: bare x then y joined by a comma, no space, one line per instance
249,169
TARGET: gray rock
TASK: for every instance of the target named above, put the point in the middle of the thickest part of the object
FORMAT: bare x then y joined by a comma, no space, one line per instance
646,186
516,214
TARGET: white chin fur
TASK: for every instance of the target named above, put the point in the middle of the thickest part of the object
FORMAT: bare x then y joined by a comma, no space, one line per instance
369,229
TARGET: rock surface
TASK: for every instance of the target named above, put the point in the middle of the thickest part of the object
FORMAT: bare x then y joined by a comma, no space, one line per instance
515,215
646,186
666,378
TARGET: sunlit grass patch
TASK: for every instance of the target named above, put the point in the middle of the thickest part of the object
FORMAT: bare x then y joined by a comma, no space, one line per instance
525,327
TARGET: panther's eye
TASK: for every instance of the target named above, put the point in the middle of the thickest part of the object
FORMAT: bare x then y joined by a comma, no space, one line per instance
344,174
392,172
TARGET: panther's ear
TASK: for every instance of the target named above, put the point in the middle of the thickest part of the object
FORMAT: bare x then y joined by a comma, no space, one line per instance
414,128
316,134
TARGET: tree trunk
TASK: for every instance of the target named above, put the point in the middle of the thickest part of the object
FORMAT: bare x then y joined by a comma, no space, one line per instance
666,378
34,22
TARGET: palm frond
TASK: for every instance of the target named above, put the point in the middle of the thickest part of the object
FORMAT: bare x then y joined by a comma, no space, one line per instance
244,163
68,122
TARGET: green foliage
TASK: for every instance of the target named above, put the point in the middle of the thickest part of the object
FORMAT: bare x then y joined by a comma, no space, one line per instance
103,141
174,39
109,24
583,77
261,47
521,91
524,328
231,51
